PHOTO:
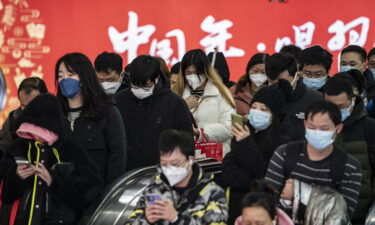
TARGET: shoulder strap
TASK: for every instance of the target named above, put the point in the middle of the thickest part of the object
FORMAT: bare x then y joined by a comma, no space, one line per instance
292,155
337,166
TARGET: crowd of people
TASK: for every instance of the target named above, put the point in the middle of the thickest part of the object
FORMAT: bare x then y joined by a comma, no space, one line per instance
303,151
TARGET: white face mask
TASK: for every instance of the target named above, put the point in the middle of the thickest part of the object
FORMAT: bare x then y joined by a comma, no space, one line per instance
258,79
110,88
142,93
175,174
195,81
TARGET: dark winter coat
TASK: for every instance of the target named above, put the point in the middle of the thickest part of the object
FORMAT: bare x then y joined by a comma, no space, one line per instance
105,141
292,128
75,181
358,139
247,161
8,132
146,119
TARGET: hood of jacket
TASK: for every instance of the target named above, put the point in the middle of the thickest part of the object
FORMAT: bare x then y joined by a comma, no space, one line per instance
45,112
358,112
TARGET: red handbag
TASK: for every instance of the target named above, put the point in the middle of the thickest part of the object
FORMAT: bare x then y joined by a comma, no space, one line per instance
208,149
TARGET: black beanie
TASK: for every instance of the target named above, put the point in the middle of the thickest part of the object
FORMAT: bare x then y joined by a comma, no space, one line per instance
273,97
44,111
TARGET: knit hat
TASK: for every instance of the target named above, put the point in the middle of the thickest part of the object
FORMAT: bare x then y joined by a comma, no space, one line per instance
273,97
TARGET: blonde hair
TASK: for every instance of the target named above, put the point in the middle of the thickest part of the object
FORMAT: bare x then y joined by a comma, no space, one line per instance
211,75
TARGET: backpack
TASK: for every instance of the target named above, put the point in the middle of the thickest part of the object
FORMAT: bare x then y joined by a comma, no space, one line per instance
337,165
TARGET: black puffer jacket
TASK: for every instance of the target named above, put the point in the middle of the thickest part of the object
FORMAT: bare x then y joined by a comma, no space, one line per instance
358,139
145,120
75,180
105,141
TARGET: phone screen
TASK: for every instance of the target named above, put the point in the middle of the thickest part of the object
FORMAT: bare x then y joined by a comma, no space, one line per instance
237,119
151,198
21,160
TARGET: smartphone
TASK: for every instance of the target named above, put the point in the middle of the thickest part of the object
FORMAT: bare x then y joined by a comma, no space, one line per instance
21,161
151,198
237,119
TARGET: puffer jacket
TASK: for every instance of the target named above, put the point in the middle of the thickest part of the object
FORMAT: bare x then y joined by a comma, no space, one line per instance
358,139
326,207
204,202
213,115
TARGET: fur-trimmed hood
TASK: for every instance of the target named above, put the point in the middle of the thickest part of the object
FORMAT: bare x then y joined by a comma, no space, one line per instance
45,112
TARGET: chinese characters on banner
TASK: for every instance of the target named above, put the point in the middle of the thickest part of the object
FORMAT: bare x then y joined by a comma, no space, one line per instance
129,40
21,46
217,36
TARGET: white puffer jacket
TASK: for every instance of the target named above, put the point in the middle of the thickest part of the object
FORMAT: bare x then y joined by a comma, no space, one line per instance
213,115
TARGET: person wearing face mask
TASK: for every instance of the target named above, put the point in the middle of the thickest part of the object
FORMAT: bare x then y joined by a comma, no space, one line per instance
208,99
370,87
357,137
316,161
49,178
281,69
354,57
315,66
180,193
108,67
259,206
148,108
254,79
90,115
251,148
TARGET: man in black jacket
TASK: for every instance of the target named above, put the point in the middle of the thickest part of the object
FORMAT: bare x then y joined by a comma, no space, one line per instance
357,138
148,108
282,69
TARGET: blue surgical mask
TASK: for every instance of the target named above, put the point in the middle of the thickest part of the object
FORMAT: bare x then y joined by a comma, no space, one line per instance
69,87
373,73
347,68
345,113
319,139
259,120
315,83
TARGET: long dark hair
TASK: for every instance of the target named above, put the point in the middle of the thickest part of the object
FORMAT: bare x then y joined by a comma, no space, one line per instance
258,58
92,92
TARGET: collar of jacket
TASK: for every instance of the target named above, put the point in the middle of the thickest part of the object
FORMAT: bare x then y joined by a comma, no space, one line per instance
209,91
357,113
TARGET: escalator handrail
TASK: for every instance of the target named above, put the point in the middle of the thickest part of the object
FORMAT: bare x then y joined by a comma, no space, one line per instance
138,173
131,175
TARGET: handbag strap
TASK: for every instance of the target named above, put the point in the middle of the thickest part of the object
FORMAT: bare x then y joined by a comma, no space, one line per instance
13,213
204,139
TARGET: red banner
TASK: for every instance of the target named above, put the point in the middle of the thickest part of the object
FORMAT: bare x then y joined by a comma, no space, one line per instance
34,34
